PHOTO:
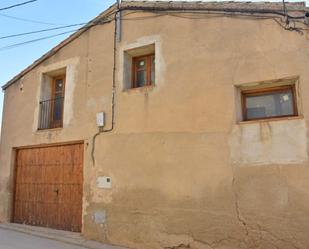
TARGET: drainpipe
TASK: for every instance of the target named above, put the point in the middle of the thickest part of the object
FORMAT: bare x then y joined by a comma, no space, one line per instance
118,20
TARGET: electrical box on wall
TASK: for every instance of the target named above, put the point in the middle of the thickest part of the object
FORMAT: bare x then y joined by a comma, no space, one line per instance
100,119
104,182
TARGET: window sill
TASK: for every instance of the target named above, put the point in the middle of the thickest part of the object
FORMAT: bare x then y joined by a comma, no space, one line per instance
50,129
139,89
270,119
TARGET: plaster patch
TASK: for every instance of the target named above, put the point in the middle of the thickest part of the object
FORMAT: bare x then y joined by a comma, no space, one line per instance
272,142
69,95
37,107
99,217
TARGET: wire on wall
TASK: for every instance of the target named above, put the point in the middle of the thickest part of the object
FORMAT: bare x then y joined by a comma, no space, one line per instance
285,20
101,130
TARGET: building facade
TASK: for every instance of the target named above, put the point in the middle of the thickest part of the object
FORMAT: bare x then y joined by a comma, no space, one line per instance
166,125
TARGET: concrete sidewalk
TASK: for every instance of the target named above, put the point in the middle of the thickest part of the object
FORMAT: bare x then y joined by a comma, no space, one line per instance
15,236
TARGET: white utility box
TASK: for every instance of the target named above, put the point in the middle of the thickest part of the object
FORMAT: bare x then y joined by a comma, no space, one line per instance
100,119
104,182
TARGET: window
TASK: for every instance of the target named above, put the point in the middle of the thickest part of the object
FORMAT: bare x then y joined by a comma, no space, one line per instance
51,106
143,71
139,69
269,103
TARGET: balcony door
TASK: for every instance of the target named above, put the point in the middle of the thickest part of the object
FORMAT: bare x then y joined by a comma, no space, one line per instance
57,101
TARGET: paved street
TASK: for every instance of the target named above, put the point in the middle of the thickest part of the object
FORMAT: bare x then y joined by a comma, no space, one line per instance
15,240
15,236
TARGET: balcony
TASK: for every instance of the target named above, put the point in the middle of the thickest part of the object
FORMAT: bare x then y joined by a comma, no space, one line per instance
51,113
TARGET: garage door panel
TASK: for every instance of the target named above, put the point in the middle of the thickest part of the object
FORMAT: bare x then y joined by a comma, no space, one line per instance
71,173
48,189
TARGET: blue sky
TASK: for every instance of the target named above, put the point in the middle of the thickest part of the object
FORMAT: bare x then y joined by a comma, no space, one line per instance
60,12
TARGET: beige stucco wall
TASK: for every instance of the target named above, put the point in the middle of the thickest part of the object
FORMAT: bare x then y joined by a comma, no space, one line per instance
185,173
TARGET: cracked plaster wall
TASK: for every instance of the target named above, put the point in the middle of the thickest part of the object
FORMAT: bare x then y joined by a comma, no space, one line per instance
181,173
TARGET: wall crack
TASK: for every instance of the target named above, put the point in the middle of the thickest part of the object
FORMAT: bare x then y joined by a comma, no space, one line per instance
238,213
189,243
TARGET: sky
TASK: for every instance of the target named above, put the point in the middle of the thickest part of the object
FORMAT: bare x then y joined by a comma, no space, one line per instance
56,13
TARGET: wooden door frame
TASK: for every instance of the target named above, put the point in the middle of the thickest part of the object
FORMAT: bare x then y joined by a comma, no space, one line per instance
14,177
14,180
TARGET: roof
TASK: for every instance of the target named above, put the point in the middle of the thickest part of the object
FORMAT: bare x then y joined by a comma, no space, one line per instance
291,6
262,7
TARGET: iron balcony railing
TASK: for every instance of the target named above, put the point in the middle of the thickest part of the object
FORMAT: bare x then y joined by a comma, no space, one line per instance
51,113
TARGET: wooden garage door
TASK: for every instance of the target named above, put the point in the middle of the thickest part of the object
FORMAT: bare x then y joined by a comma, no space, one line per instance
49,187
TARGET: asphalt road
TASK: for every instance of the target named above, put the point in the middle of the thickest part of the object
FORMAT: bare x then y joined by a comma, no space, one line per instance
15,240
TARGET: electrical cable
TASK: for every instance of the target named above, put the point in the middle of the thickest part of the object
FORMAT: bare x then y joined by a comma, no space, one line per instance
213,12
234,14
207,10
51,29
40,31
30,20
248,13
17,5
35,40
101,129
91,24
